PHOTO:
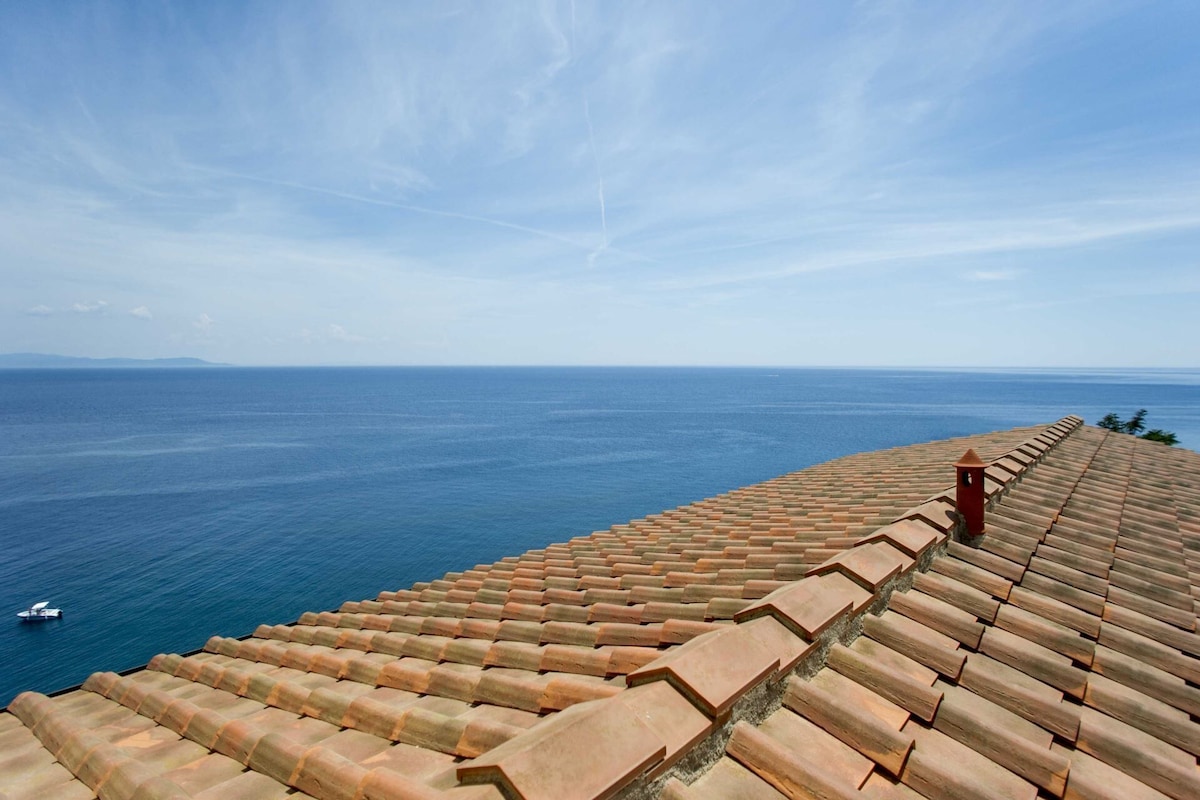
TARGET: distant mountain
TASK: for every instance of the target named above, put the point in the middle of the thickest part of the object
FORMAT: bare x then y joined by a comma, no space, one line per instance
47,361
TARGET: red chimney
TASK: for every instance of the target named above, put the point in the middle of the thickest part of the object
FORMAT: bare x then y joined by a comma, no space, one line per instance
969,496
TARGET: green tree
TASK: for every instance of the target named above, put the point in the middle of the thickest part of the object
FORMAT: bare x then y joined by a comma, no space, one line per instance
1135,425
1166,437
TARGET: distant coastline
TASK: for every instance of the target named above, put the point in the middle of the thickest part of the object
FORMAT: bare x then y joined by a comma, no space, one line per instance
50,361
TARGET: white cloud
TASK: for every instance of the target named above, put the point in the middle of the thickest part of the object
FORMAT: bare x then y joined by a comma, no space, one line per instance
39,311
338,334
141,312
96,307
994,274
203,323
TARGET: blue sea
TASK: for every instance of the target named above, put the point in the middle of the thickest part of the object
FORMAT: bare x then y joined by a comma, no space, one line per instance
160,507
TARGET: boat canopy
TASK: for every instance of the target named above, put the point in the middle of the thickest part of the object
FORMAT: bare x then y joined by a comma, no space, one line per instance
39,606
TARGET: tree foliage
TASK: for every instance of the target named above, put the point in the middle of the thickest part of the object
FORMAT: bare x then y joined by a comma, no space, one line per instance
1157,435
1135,425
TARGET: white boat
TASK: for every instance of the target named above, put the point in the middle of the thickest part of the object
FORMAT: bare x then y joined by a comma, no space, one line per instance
39,611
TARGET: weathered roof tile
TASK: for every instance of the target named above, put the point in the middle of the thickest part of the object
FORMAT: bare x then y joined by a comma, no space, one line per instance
789,770
870,565
1139,755
1035,660
1010,741
1143,712
853,724
911,536
712,670
958,594
1148,679
585,752
888,674
942,769
973,576
940,616
1051,635
811,605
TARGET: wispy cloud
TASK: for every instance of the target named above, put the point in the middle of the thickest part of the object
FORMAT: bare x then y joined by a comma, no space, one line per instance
592,256
204,324
375,201
425,174
988,275
339,334
933,242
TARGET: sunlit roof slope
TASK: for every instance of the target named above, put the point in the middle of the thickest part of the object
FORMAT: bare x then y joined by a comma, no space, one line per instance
1056,659
821,633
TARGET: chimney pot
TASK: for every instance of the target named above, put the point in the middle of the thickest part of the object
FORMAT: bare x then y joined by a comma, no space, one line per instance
969,494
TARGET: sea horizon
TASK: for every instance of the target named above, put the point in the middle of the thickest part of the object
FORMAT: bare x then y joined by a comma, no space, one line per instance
151,363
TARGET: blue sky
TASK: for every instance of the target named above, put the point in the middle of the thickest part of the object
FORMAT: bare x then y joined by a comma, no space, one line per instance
891,183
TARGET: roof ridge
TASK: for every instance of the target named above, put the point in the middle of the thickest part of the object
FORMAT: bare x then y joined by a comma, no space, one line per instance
736,674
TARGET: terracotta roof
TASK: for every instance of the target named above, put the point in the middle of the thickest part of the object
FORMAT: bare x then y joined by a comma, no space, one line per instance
820,634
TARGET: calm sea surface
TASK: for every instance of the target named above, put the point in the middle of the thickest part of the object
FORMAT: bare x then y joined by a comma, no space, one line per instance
160,507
